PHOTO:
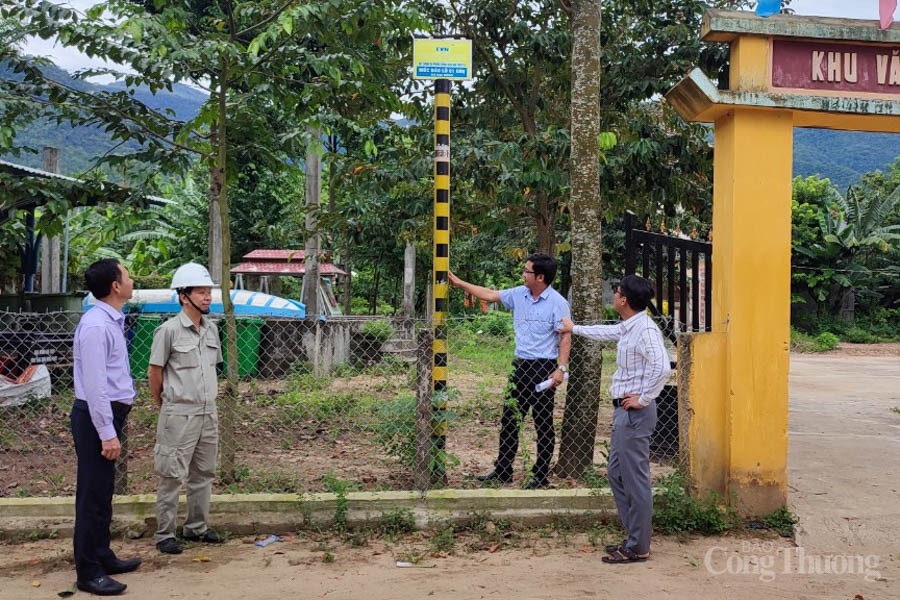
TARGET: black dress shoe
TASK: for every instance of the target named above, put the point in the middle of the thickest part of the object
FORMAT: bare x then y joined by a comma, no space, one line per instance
118,566
207,537
169,546
496,476
535,484
101,586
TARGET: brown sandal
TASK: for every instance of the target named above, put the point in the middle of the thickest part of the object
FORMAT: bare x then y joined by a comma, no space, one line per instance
623,555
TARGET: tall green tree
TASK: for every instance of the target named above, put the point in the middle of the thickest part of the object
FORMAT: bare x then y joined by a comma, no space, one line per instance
269,68
853,237
576,450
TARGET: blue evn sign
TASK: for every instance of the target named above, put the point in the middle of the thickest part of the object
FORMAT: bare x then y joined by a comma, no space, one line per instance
442,71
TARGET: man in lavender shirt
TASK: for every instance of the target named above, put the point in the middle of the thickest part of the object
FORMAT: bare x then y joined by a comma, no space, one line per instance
104,392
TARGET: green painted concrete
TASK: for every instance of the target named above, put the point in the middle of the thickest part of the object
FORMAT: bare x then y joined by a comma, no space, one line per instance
245,513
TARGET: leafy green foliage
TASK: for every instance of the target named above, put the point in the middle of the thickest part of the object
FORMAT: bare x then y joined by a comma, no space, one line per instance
825,341
782,521
845,247
396,429
494,323
378,331
675,511
398,521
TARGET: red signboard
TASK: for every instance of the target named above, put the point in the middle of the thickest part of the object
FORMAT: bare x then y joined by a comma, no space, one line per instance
848,68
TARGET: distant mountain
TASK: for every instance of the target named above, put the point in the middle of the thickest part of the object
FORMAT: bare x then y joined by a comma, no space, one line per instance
841,156
81,146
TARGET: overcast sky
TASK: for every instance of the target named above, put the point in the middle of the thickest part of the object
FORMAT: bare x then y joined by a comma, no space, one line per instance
70,60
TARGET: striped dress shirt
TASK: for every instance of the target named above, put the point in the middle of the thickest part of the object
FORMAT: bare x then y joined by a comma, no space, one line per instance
642,362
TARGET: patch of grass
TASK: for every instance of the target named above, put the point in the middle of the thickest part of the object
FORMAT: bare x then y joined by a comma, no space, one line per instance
676,512
359,537
443,540
782,521
896,409
299,406
378,331
395,428
389,366
593,479
340,488
398,521
801,342
825,341
265,482
603,534
858,335
481,354
484,405
9,440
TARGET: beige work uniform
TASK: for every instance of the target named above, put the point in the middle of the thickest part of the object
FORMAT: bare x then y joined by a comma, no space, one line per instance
187,434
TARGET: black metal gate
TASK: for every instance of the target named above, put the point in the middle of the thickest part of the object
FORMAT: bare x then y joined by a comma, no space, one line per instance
681,270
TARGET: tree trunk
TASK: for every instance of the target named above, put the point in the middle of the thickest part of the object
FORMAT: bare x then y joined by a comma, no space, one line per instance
218,189
313,198
579,427
215,222
545,223
848,305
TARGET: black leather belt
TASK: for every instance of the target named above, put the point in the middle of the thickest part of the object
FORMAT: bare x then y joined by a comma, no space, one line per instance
617,402
520,361
120,409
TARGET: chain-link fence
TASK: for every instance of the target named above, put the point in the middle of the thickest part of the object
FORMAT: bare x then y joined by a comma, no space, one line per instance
320,405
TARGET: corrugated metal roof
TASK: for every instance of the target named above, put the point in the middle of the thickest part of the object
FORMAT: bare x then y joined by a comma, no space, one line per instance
282,268
272,254
23,171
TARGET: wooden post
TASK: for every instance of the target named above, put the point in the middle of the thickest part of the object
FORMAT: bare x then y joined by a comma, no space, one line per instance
313,197
50,250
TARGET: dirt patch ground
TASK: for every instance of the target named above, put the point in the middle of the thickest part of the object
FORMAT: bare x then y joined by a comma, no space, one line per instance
844,477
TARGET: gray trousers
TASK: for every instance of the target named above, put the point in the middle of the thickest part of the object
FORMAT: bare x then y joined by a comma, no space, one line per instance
185,453
629,473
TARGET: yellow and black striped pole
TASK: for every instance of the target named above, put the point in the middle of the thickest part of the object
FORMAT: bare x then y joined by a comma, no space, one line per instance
441,266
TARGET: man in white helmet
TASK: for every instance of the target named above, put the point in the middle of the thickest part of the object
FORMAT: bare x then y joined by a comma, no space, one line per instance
182,377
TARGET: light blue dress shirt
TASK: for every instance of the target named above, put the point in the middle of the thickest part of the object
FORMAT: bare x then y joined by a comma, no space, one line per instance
536,322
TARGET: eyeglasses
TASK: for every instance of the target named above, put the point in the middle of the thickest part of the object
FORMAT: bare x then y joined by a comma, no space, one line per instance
527,271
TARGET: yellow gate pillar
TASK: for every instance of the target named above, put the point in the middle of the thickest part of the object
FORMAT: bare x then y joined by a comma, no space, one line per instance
751,299
785,72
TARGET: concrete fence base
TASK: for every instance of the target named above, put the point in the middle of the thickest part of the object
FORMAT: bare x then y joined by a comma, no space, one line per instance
135,516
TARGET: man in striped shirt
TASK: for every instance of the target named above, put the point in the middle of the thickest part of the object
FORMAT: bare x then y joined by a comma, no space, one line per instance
642,369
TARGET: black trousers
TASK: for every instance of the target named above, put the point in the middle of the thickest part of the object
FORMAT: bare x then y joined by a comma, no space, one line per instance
522,400
93,492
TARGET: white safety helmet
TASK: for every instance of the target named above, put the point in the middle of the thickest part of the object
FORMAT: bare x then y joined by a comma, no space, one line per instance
191,275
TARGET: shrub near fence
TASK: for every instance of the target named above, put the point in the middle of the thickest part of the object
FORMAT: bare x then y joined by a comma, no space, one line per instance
318,402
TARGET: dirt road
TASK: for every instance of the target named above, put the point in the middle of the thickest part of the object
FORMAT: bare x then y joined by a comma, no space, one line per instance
844,474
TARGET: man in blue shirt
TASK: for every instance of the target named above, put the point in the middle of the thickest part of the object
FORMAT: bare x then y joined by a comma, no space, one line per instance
104,392
542,354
